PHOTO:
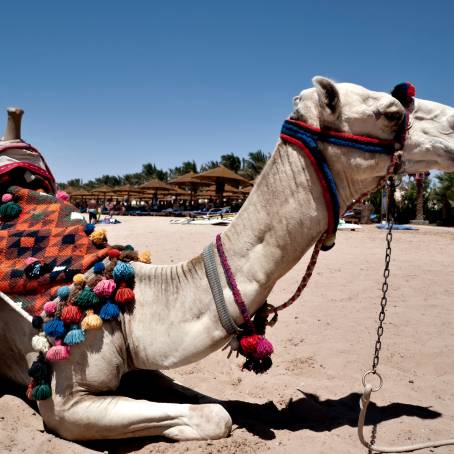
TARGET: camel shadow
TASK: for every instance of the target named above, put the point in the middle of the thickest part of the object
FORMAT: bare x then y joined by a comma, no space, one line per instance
308,412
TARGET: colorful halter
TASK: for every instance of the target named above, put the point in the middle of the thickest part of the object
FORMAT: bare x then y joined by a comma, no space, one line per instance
306,138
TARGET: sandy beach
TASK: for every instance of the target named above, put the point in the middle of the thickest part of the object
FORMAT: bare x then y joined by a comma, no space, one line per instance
308,401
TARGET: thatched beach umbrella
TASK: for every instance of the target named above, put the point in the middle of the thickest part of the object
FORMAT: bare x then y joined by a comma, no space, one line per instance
189,180
155,186
220,176
80,194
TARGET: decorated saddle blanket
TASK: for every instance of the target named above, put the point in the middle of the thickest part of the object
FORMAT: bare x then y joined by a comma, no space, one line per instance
44,243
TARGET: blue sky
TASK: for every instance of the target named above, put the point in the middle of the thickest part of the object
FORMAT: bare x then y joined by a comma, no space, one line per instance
109,85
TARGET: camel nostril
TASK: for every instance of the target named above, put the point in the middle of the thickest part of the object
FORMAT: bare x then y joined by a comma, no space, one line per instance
394,116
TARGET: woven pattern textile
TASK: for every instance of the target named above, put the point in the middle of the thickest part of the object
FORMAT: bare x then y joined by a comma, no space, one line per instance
44,230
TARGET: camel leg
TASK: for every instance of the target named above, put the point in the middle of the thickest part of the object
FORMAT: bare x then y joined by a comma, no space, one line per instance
107,417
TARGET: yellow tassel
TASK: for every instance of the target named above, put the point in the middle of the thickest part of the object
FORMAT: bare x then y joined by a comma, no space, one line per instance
79,279
98,237
91,321
145,257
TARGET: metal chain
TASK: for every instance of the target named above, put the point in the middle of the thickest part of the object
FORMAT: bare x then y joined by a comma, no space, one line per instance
386,273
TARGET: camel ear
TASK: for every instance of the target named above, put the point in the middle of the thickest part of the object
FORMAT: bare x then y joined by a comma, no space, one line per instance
328,96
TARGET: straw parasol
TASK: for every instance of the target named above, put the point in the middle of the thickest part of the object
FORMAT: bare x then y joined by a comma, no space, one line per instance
80,194
189,180
156,186
220,176
126,190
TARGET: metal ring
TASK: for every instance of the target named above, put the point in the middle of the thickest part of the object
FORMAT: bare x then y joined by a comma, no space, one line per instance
371,372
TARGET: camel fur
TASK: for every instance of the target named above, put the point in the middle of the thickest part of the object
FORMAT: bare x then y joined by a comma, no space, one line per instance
175,322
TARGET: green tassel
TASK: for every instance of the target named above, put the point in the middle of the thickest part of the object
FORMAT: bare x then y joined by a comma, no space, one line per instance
42,391
10,210
87,298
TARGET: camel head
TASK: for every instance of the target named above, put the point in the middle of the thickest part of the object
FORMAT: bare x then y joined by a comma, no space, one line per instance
354,109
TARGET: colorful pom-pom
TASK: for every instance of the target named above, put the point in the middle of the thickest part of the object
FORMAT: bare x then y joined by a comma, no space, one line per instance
98,268
89,228
63,292
71,314
105,288
39,370
79,279
91,321
113,253
41,391
110,311
124,295
50,307
37,322
62,195
75,336
123,272
58,352
256,346
40,343
87,298
54,328
7,198
10,211
98,237
145,257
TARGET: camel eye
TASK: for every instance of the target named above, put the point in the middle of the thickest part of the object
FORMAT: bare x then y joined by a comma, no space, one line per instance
394,116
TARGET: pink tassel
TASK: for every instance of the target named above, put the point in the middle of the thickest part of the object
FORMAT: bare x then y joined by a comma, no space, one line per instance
58,352
264,348
105,288
50,307
62,195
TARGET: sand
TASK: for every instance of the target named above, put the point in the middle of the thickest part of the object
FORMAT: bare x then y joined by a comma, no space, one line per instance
308,401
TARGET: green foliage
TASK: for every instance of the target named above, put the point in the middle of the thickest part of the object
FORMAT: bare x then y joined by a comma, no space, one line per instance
209,165
254,164
186,166
231,161
442,197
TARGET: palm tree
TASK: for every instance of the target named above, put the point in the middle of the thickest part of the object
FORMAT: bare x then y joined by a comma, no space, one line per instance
254,164
186,166
231,161
443,193
209,165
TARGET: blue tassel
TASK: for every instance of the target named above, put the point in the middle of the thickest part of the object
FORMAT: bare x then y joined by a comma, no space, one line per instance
75,336
123,272
89,228
98,268
109,311
63,292
54,328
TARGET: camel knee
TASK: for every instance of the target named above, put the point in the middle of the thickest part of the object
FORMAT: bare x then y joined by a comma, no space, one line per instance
203,422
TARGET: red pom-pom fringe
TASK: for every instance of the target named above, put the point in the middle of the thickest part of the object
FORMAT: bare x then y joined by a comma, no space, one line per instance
71,314
113,253
124,295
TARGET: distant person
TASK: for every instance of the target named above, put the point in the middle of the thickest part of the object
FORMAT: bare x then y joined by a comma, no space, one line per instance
92,208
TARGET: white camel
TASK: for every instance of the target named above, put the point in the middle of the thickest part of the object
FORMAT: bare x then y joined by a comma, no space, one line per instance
175,322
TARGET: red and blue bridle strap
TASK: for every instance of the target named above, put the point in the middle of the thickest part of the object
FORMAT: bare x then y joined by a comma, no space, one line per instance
306,138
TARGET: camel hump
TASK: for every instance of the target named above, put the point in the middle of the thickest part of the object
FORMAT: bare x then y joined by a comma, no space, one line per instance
13,124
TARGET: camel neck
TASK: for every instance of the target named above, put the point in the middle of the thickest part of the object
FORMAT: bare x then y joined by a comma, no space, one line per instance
283,216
